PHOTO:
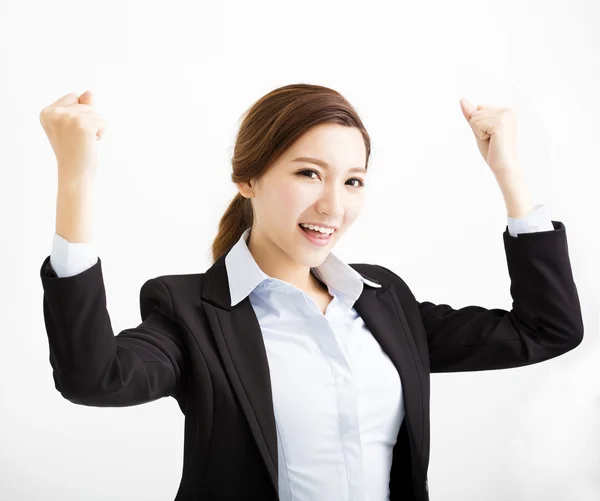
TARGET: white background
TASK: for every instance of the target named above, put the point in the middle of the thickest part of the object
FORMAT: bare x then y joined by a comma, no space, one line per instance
172,80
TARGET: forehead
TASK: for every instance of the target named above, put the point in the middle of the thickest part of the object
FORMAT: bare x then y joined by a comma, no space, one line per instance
336,144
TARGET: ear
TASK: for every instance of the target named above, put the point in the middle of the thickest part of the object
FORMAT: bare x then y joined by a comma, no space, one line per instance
245,189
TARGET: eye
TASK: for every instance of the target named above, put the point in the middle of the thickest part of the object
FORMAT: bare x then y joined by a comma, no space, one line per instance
361,183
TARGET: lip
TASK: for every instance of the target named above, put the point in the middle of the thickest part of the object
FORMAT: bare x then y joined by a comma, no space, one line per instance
323,225
314,239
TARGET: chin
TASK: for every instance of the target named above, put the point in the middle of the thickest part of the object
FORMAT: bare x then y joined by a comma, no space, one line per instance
315,258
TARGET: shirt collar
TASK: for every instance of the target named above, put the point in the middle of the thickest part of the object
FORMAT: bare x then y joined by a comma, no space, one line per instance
244,275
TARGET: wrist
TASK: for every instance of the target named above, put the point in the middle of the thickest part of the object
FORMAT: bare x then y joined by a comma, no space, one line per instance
69,181
517,197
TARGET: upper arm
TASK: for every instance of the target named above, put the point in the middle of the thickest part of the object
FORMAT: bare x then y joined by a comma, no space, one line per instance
154,350
474,338
91,365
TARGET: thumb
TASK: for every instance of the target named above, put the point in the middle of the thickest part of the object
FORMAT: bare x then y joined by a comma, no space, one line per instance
467,108
86,98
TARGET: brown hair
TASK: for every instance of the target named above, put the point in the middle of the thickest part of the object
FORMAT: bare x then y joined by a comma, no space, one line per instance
269,127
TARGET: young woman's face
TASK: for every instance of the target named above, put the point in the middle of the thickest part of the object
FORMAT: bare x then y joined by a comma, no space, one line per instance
289,193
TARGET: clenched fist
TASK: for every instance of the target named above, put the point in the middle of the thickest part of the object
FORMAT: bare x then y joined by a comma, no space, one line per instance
74,129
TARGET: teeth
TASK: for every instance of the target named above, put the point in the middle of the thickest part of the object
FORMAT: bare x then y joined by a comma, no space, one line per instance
327,231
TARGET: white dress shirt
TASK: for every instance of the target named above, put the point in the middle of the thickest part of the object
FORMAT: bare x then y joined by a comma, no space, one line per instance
337,397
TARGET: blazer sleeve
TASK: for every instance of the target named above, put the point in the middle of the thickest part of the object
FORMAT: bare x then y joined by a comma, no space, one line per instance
545,320
92,366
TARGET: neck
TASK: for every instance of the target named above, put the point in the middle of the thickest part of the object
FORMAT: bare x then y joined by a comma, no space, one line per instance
272,261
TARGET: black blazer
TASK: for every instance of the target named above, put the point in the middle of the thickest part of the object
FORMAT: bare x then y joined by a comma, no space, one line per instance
192,346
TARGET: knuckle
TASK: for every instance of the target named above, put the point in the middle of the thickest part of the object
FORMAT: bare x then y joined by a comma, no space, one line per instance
79,122
48,115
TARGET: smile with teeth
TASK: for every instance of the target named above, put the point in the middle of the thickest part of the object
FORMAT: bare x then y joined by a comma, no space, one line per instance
317,235
319,229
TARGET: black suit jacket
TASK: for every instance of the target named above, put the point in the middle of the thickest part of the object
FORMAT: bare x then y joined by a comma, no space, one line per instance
193,346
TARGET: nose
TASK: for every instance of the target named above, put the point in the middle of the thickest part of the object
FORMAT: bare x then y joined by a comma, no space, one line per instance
331,203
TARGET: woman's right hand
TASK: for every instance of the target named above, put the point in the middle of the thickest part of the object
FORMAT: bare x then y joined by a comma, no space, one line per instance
74,129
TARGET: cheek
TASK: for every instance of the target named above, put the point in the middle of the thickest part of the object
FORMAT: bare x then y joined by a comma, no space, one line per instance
291,198
353,210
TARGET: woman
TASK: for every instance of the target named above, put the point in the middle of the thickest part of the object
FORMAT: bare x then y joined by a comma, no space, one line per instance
301,377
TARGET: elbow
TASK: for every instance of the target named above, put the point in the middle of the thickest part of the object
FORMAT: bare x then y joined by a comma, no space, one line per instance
552,344
71,392
576,332
575,338
572,338
76,390
574,324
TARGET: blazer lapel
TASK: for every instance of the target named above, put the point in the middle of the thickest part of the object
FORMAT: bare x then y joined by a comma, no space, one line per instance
239,340
382,314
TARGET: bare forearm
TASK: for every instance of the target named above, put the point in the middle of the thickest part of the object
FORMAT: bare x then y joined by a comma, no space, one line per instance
515,191
74,204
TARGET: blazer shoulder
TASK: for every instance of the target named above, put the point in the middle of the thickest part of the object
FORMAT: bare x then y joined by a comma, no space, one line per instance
380,274
167,292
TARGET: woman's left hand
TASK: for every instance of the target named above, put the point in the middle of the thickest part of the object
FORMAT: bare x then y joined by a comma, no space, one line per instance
495,130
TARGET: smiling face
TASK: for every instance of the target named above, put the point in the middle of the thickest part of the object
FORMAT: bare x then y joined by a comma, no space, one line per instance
288,194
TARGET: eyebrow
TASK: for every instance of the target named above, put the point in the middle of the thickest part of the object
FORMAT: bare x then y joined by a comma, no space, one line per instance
324,164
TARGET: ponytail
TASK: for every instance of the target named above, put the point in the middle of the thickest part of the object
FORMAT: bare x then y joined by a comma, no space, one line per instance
236,219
